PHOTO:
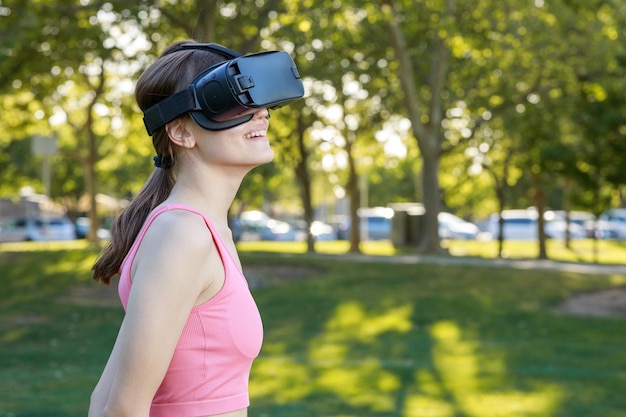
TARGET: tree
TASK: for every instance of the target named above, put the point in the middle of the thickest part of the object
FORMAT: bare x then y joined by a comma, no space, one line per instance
425,117
478,82
67,53
340,70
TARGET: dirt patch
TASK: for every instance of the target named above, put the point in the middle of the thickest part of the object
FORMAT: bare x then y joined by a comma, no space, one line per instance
92,294
27,320
266,275
605,303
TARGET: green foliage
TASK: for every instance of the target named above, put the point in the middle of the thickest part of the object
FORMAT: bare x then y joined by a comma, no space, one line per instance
393,181
532,87
19,167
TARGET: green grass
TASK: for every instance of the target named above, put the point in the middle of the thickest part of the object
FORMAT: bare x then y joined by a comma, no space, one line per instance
354,339
585,250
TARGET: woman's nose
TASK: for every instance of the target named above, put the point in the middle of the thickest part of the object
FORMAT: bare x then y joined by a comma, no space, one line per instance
263,113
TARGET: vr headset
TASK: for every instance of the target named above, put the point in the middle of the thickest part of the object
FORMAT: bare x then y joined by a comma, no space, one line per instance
228,93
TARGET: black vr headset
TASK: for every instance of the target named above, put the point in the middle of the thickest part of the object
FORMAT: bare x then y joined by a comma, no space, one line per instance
228,93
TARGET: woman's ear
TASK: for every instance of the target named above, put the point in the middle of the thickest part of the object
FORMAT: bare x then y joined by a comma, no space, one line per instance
179,133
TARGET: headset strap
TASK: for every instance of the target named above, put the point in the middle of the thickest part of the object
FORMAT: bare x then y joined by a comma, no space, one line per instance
213,47
169,109
183,101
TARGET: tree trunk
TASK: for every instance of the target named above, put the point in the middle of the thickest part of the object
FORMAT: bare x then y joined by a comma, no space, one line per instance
91,159
304,176
540,204
500,193
429,239
90,181
352,190
204,28
567,207
501,189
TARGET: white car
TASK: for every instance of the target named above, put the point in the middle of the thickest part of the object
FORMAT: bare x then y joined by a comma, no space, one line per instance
518,225
28,228
375,222
555,229
323,231
616,220
601,229
453,227
522,225
82,226
256,225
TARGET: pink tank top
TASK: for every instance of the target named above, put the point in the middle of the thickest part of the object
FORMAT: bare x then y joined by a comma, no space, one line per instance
211,365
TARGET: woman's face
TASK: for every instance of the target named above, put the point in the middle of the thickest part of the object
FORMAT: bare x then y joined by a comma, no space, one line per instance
246,145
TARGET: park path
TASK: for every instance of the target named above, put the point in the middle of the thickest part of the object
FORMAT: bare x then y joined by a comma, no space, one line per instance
540,264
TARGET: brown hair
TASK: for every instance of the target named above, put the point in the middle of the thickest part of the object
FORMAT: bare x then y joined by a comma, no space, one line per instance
171,72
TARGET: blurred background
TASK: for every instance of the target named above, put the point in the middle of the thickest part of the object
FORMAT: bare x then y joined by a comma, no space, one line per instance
422,120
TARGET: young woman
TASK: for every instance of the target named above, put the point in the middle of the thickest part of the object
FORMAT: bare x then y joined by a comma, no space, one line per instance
192,328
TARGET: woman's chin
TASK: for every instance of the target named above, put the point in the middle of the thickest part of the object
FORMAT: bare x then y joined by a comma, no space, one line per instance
269,157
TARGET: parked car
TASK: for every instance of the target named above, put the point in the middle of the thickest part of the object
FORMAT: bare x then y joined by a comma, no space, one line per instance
30,228
556,229
518,225
257,225
375,224
322,231
82,226
522,225
616,221
453,227
319,230
601,229
341,225
278,230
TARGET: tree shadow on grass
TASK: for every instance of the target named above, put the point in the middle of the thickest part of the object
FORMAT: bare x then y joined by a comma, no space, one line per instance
428,341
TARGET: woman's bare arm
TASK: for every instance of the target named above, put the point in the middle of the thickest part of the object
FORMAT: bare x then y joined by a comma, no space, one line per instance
177,263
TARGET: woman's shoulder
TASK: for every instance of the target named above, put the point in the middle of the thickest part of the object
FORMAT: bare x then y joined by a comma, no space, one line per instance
180,228
177,243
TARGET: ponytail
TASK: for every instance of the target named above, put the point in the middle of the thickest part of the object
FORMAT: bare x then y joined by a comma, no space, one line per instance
127,225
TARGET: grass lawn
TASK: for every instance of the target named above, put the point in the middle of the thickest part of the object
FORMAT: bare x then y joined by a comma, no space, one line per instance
342,338
583,250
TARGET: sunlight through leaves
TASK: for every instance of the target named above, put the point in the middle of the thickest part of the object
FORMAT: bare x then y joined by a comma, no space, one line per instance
466,382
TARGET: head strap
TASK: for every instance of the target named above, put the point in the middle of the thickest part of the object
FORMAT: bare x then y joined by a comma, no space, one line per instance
212,47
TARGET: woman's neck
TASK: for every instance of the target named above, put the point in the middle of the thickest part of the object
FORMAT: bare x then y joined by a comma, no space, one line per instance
211,193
